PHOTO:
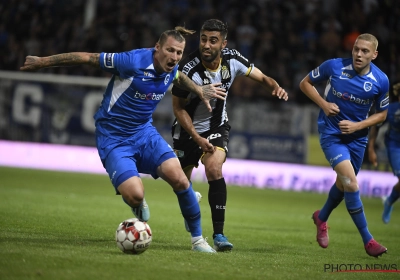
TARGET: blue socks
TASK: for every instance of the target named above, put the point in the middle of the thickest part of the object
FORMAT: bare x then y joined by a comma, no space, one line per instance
334,198
394,195
355,208
190,210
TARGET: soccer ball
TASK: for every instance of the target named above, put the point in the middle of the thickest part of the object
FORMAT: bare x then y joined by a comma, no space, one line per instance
133,236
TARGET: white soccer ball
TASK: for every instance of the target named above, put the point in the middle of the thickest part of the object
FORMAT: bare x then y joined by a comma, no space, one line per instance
133,236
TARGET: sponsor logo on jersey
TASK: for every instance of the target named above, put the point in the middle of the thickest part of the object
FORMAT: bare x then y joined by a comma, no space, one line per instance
367,86
349,97
315,72
149,96
206,81
109,60
166,80
225,72
214,136
148,74
345,76
190,65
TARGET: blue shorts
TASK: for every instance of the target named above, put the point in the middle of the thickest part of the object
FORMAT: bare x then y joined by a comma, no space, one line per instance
338,148
124,158
393,153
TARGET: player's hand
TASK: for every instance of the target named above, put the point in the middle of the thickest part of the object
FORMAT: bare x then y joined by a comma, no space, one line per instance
280,93
348,127
32,63
212,91
205,145
331,109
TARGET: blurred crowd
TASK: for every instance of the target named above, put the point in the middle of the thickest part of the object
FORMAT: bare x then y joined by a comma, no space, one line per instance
285,39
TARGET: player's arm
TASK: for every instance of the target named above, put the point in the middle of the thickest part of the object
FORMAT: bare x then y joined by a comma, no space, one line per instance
307,87
267,82
348,127
373,133
185,121
205,92
33,63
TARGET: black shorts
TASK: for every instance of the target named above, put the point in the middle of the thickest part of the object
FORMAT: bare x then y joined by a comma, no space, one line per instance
189,153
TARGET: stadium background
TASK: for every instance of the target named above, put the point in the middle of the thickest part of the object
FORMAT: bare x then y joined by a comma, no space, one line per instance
285,39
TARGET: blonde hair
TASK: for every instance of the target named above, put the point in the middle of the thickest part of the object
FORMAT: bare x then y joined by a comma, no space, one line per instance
177,33
370,38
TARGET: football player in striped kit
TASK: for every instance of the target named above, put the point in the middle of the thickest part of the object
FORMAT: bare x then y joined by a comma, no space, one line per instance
200,135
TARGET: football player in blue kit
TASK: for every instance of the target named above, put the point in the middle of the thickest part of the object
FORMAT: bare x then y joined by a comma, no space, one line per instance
392,143
127,142
353,86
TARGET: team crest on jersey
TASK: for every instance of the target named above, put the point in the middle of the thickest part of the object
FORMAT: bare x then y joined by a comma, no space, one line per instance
225,73
166,80
367,86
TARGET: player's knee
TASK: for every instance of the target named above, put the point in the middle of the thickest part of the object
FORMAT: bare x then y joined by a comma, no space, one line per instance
213,172
348,183
133,199
180,183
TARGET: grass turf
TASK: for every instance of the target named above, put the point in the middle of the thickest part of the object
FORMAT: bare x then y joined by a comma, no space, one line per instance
57,225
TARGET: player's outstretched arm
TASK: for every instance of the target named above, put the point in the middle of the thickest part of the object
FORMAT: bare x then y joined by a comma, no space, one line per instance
205,92
270,84
33,63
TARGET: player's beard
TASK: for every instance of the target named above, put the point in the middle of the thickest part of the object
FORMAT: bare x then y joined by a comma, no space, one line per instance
211,57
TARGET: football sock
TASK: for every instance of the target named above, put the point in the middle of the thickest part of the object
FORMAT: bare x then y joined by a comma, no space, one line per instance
355,208
190,210
394,195
334,198
194,239
217,194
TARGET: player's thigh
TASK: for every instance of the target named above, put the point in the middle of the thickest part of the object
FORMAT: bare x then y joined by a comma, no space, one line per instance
120,165
132,189
171,172
213,164
334,149
346,176
188,153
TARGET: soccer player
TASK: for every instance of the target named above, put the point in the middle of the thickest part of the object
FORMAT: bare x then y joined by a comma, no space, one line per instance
199,134
392,143
127,142
353,86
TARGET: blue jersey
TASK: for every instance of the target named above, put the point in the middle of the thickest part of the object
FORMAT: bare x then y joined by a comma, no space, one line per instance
393,118
352,93
132,94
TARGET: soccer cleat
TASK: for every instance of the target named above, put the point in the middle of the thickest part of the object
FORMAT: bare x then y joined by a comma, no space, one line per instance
387,211
374,249
221,243
198,196
322,230
201,245
142,212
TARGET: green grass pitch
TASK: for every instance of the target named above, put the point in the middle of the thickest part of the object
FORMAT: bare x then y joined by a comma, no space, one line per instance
57,225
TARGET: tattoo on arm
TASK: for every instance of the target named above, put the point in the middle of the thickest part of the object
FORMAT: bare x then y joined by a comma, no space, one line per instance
185,83
74,58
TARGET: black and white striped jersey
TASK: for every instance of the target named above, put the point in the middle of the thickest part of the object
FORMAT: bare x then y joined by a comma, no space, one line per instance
232,64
